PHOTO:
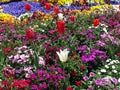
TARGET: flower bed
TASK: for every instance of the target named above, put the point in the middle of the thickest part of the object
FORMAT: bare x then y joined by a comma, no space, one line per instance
63,50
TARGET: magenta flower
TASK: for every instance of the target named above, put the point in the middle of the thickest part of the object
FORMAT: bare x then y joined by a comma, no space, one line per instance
114,80
92,74
85,78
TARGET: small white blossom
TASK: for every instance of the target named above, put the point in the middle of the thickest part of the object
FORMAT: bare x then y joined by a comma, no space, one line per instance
103,70
115,71
113,67
106,66
119,80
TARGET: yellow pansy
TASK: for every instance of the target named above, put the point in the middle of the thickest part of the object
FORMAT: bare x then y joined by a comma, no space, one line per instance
6,18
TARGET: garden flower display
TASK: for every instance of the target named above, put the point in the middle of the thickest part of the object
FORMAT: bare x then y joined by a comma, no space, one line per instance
59,45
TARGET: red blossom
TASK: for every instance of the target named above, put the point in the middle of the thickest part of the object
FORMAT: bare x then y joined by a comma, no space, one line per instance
9,72
96,22
82,67
72,18
20,84
61,26
56,9
27,7
69,88
7,50
118,54
5,82
78,83
48,6
30,34
1,88
74,73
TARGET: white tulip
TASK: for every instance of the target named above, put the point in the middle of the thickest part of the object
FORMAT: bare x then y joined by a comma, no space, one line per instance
63,55
60,16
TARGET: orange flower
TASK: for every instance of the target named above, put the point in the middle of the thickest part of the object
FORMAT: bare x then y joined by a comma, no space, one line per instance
96,22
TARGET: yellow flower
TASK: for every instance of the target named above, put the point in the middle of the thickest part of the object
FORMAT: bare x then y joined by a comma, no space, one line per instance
6,17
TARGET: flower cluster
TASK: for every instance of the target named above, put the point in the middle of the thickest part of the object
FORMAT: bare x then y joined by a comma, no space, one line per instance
15,84
52,77
22,56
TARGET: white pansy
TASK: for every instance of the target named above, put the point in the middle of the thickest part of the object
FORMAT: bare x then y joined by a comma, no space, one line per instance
113,67
106,66
60,16
103,70
63,55
115,71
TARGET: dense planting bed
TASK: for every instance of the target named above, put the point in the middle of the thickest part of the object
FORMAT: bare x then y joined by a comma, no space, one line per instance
59,48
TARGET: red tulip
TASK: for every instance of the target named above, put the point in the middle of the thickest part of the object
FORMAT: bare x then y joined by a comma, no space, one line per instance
61,26
72,18
48,6
56,9
96,22
27,7
30,34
